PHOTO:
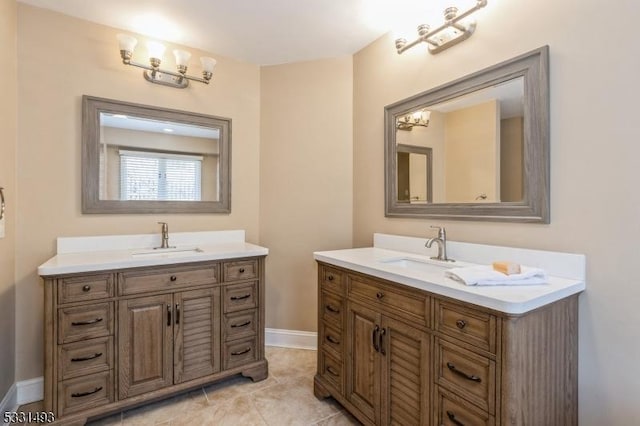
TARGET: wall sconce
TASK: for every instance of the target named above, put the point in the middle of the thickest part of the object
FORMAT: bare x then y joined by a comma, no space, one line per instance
409,121
154,74
448,34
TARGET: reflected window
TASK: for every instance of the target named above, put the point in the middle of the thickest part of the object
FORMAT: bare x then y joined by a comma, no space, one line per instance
160,176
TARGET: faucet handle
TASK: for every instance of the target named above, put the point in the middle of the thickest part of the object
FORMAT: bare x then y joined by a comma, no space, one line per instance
442,233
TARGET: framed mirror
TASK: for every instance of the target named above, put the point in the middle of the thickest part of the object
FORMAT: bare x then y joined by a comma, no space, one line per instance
487,136
146,159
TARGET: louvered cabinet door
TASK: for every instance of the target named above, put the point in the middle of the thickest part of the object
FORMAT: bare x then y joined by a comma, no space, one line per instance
363,384
145,349
197,334
405,374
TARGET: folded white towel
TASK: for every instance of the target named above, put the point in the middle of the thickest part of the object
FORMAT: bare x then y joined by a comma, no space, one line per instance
486,275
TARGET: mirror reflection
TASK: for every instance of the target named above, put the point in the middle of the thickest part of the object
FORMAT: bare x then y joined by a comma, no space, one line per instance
475,148
147,159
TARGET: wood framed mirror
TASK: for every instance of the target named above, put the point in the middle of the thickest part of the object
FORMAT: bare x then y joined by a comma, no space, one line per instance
489,136
147,159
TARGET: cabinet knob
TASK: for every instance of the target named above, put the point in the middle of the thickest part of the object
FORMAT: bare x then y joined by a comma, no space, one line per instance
173,278
241,270
330,277
379,295
86,288
461,324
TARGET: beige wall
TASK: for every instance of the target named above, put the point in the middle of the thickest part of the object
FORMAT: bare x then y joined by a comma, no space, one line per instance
595,201
511,156
8,123
61,58
472,153
305,180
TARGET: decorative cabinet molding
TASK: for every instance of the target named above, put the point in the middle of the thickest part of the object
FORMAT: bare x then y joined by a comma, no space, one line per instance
391,354
116,339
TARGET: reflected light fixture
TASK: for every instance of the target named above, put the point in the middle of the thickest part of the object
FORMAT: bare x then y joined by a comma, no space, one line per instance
154,74
409,121
452,32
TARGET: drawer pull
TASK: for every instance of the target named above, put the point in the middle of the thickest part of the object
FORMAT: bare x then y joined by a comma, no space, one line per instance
86,288
81,394
461,324
244,351
453,369
87,358
453,419
379,295
244,324
333,309
330,278
173,278
93,321
332,371
241,270
333,340
246,296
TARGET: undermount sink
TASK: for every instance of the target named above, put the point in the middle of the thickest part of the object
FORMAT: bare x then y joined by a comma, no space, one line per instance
167,252
424,265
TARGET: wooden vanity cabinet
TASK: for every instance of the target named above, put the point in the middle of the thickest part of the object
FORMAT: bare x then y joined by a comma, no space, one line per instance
120,338
406,356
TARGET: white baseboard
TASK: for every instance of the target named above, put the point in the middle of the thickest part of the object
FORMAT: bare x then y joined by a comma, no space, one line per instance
291,338
32,390
9,402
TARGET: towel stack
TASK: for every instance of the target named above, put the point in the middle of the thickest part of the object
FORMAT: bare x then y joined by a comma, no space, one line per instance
500,273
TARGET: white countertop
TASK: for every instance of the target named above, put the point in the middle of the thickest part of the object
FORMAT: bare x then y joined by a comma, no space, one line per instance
101,253
507,299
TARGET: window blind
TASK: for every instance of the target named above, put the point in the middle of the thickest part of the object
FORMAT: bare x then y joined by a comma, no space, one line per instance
160,176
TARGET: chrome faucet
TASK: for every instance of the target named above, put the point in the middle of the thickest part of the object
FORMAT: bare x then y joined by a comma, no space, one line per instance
441,241
165,235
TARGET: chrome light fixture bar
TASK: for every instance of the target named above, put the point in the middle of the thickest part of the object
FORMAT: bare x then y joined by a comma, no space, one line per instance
447,35
419,118
154,74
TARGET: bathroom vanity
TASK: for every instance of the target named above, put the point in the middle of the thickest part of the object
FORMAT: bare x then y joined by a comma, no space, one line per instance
127,324
398,343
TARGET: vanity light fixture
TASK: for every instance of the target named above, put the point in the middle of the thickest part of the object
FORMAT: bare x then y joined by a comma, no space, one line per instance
154,74
452,32
409,121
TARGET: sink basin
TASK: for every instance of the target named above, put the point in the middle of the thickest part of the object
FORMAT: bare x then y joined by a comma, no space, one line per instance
423,265
168,252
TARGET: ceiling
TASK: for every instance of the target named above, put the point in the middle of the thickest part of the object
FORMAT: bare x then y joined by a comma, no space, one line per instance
263,32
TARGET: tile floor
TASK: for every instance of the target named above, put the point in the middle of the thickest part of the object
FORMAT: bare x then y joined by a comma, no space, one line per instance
285,398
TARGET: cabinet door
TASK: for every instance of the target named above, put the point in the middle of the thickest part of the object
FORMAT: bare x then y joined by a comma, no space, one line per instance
363,384
145,344
197,334
405,374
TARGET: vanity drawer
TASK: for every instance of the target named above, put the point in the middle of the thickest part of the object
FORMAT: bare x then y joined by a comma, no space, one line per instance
164,278
331,280
85,287
240,324
468,374
332,371
451,410
85,357
332,308
240,271
413,306
240,352
85,322
238,297
331,340
467,324
85,392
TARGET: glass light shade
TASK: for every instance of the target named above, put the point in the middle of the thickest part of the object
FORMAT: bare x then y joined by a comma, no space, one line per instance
182,57
208,64
156,50
127,42
426,115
